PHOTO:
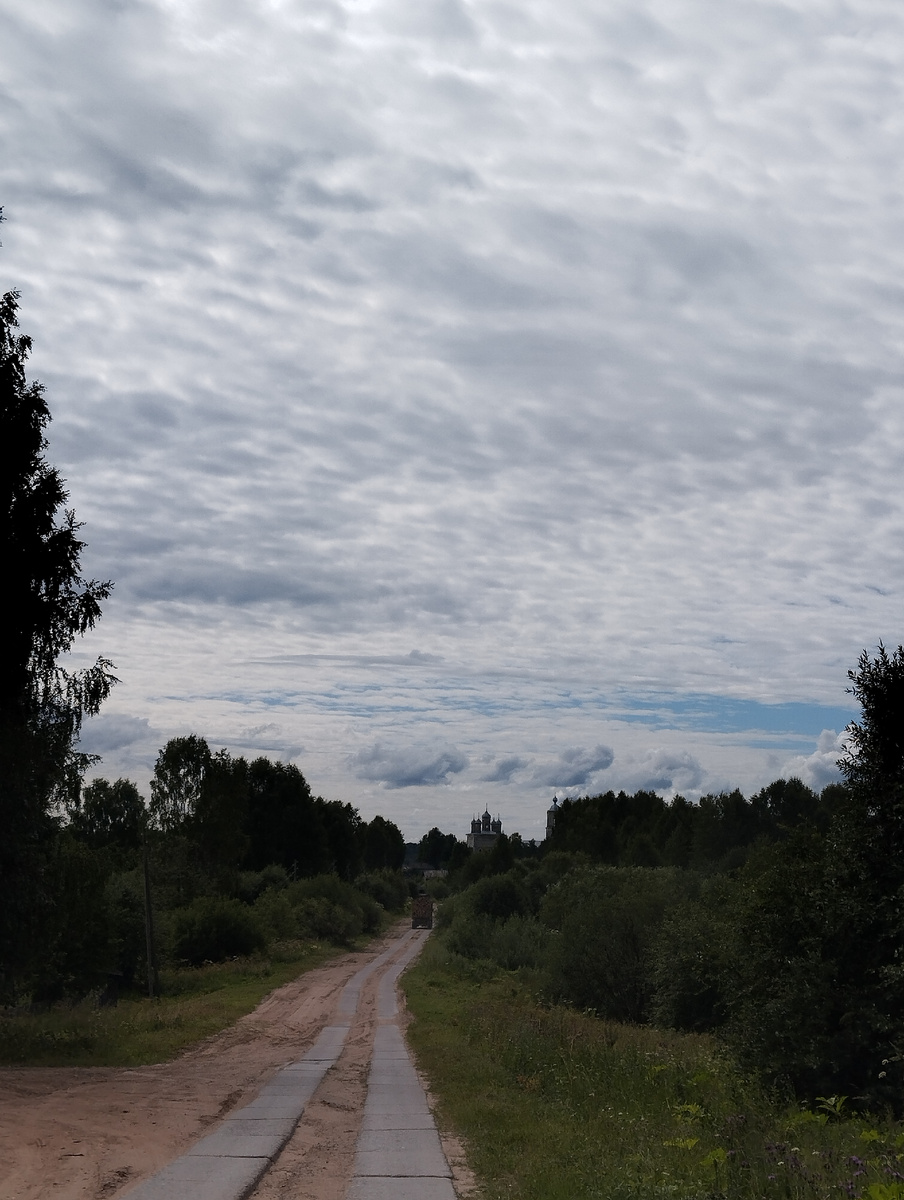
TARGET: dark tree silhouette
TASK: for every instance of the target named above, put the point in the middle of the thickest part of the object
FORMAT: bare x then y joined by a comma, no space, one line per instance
874,762
109,814
47,605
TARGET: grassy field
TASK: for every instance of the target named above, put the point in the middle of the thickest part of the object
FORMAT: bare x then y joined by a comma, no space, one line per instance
556,1105
196,1003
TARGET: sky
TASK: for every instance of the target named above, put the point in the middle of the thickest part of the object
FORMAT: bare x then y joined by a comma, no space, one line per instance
471,401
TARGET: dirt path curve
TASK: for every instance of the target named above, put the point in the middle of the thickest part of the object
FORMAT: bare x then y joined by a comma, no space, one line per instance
93,1133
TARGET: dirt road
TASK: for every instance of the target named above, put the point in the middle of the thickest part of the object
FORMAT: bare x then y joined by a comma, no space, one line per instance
89,1133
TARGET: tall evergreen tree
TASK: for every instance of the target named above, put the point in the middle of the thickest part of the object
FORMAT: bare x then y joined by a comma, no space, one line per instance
48,604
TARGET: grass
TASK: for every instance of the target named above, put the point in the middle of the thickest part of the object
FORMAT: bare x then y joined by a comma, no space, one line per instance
196,1003
556,1105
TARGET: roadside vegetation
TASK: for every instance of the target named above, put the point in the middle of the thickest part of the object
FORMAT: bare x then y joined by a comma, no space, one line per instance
556,1104
196,1002
221,957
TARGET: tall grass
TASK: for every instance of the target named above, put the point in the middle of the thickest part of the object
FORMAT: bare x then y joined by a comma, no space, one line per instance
557,1105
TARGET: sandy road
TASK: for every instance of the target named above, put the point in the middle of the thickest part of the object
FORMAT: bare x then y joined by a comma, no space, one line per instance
83,1133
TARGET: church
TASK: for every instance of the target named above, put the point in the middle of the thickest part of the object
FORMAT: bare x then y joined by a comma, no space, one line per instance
484,832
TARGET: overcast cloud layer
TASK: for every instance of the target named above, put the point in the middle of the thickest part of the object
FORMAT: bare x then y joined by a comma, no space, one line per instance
471,400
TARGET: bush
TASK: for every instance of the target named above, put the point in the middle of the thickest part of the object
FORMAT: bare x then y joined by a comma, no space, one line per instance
518,942
691,961
277,917
606,920
339,912
388,888
492,919
128,944
212,929
498,897
252,884
317,917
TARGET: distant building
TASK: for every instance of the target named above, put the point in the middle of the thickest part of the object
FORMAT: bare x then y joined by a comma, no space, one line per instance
551,813
484,832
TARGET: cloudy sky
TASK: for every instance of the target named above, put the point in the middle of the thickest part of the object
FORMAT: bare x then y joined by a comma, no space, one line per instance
472,400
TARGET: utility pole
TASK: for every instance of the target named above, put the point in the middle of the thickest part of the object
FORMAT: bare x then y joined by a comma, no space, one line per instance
153,987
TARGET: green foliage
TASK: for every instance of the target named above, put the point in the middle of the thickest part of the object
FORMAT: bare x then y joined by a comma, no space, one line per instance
76,952
692,964
331,899
341,823
325,908
179,773
109,815
212,929
251,884
197,1002
382,845
283,822
874,761
555,1105
436,848
717,833
387,887
126,916
606,921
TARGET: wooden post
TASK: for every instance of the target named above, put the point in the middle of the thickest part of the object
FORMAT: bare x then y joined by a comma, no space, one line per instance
149,929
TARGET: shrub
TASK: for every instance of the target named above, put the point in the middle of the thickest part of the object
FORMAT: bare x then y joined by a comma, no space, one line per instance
345,913
128,945
388,888
317,917
606,920
691,961
277,916
211,929
491,919
498,897
252,884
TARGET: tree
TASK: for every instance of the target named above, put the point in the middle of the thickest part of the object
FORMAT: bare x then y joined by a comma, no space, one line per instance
826,905
179,774
382,845
283,822
202,797
47,602
47,605
873,764
436,847
341,823
110,814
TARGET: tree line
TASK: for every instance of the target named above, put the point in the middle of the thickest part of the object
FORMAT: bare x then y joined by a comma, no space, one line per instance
775,922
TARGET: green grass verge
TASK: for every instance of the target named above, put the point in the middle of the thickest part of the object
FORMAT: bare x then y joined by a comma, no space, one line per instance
556,1105
196,1003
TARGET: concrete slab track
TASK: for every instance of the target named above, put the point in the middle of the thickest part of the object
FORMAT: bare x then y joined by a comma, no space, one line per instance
398,1153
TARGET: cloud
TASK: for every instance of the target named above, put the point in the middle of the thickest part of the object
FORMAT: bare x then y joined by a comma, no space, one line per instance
413,766
268,739
514,333
821,767
109,732
505,768
664,770
575,766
